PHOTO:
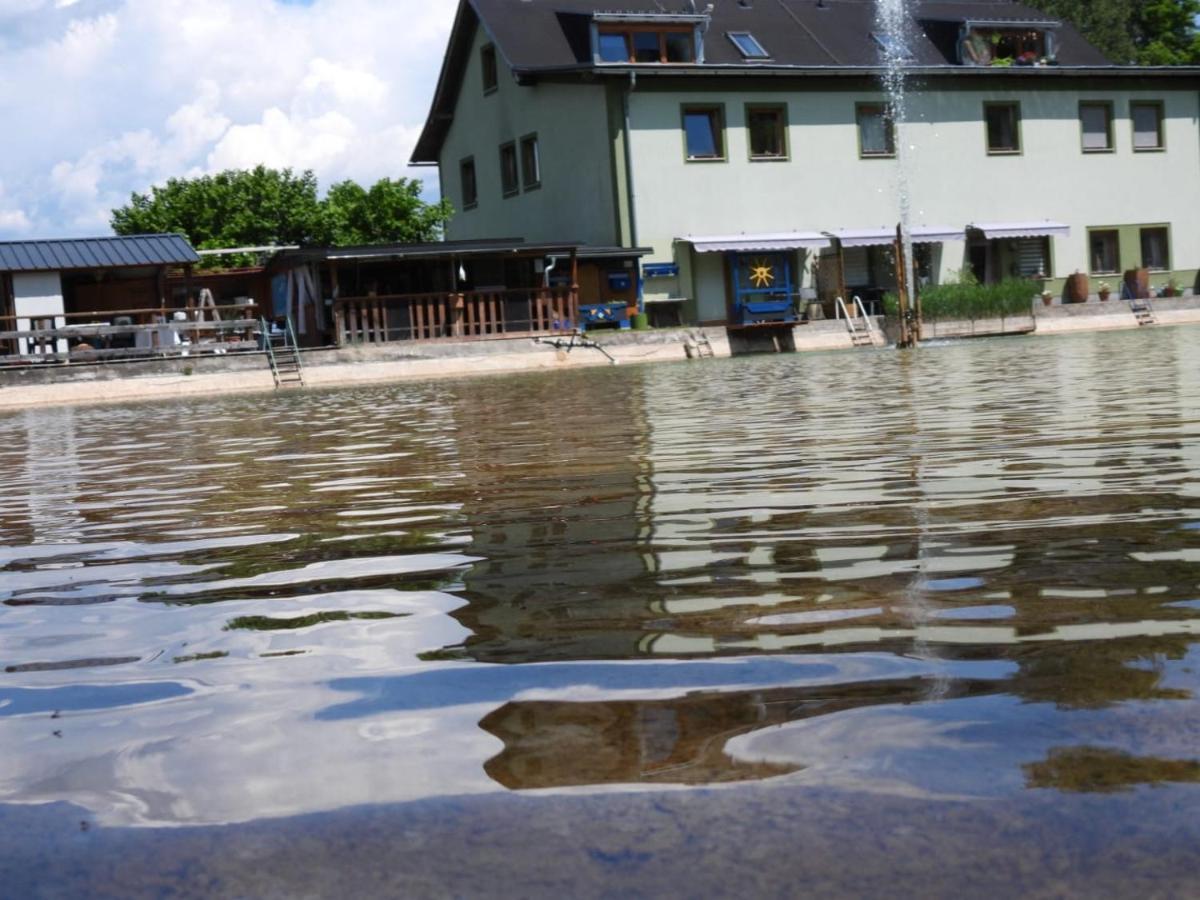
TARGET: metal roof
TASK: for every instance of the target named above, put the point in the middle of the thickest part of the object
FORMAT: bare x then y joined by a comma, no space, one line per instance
432,250
96,253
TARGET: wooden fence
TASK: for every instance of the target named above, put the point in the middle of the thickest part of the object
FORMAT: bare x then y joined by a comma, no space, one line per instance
472,315
125,333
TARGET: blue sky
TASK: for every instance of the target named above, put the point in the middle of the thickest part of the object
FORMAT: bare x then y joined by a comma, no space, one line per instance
100,98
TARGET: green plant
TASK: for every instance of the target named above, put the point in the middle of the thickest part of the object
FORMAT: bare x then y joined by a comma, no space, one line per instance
969,300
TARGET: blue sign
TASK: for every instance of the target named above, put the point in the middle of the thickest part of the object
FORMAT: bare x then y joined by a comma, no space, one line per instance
660,270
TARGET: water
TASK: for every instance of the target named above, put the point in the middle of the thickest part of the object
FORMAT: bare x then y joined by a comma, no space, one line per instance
895,24
866,621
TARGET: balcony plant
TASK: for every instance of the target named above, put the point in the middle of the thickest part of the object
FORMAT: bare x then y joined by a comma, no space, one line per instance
1171,289
1104,290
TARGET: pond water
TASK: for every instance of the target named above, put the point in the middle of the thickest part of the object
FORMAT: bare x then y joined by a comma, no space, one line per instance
858,621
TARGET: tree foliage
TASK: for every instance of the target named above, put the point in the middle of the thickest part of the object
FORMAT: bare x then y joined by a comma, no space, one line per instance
1147,32
261,206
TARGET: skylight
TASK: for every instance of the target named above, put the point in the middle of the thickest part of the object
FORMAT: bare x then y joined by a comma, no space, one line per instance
748,45
892,48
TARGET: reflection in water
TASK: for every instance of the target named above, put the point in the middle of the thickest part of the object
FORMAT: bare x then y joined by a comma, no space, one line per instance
715,574
1100,769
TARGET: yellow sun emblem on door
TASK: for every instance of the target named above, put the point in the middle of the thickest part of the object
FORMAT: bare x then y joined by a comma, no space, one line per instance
761,273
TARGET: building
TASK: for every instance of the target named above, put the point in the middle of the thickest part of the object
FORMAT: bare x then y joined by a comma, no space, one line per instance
749,145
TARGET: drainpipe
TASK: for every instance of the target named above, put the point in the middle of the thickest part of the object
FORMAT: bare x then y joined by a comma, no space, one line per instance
633,240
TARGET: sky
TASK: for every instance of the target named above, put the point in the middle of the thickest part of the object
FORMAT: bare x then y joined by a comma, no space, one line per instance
101,98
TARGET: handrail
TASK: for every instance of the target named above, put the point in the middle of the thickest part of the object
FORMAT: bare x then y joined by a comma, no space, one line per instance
862,311
839,310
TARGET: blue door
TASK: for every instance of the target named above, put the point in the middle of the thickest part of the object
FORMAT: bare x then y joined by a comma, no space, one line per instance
762,288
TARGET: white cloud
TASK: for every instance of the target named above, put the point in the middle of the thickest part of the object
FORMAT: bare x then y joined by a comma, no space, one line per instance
105,97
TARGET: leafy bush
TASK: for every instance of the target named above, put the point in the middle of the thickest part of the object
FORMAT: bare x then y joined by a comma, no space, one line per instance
1013,297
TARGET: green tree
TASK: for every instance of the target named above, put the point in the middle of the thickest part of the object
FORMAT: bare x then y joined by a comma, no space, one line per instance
261,206
1147,32
390,210
235,208
1165,32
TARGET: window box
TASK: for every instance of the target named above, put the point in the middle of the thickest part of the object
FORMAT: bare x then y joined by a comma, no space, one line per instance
704,133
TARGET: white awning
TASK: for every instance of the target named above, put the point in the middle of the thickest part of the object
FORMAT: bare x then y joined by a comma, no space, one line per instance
758,243
921,234
1001,231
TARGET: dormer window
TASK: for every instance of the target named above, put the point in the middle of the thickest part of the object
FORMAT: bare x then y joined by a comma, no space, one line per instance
748,45
1006,44
645,39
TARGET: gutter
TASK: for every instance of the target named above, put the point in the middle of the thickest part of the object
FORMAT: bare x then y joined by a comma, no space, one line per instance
633,234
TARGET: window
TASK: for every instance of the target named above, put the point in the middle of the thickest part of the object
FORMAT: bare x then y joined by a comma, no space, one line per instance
1003,127
767,130
613,47
1033,257
470,190
891,47
531,162
1095,120
633,44
703,132
508,169
1105,251
1006,46
1147,126
1156,252
748,45
487,63
876,131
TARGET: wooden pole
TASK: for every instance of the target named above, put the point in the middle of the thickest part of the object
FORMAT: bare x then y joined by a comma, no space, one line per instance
573,302
906,336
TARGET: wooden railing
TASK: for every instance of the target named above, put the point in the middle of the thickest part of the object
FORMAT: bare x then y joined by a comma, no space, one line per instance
474,315
104,334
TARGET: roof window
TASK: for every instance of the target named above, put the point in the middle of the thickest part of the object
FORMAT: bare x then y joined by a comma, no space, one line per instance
1006,44
645,44
748,45
891,47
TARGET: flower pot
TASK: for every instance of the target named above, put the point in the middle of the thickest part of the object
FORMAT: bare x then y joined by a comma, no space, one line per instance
1047,299
1104,296
1077,288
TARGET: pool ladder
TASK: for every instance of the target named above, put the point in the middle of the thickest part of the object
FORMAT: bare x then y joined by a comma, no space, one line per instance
1143,312
860,335
283,355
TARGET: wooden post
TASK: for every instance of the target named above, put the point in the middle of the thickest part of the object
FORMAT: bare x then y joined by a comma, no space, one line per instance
841,271
573,297
906,334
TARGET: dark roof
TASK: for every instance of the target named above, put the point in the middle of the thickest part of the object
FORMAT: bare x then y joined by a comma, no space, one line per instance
539,34
542,38
96,253
450,249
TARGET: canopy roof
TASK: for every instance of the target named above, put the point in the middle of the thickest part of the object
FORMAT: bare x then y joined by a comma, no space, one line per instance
750,243
1009,230
921,234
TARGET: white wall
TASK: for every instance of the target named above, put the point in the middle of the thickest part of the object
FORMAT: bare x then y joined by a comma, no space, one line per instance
38,294
826,186
576,201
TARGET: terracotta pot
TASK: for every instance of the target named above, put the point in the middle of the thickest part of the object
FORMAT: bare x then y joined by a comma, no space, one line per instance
1168,291
1047,299
1077,288
1138,283
1103,296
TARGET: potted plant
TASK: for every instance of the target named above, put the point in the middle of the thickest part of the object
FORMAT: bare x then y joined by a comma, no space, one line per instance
1171,289
1104,289
1047,298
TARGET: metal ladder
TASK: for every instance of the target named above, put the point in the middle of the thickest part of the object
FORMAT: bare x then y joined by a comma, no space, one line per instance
698,346
1143,312
860,336
284,359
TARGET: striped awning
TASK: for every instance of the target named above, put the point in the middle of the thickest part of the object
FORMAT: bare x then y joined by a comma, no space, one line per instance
1002,231
758,243
873,237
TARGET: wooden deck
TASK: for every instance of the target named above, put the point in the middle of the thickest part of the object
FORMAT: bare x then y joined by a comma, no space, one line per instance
462,316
